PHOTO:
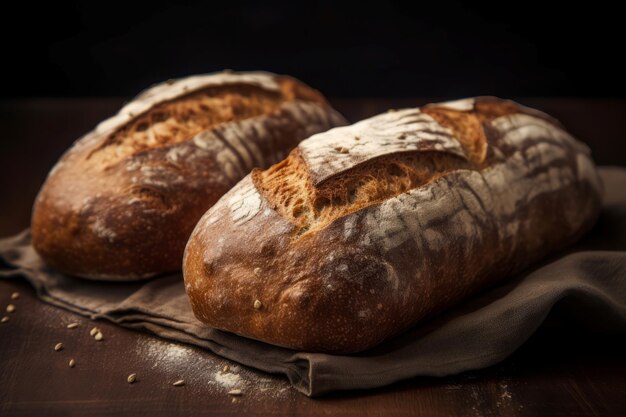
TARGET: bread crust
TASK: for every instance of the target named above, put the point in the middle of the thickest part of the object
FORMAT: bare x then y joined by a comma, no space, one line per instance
378,268
121,202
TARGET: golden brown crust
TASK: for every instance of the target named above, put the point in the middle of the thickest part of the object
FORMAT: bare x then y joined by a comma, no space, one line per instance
394,249
122,202
288,189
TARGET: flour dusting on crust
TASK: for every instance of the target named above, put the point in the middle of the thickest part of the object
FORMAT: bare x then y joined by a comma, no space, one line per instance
245,204
541,164
102,231
342,148
465,104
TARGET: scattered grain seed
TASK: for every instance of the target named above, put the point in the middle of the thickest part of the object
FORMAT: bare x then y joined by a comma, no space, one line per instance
10,308
234,400
226,369
72,325
99,336
179,383
93,331
342,149
58,346
131,378
258,304
72,363
15,296
234,392
4,319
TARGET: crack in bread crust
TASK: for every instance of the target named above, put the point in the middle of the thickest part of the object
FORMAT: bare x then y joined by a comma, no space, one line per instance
178,120
288,188
467,122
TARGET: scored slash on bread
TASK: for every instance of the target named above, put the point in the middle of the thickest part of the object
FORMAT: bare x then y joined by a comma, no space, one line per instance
365,230
121,203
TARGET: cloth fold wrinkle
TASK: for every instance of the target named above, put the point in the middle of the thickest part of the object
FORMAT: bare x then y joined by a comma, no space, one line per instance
589,280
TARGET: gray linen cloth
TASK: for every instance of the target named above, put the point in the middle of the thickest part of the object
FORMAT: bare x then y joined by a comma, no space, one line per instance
476,334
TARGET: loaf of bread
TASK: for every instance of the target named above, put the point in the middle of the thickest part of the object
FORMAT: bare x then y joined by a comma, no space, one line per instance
365,230
122,201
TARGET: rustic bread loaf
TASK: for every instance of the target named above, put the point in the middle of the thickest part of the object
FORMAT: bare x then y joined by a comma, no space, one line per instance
367,229
121,203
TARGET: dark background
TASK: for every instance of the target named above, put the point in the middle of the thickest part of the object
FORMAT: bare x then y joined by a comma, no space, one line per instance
365,49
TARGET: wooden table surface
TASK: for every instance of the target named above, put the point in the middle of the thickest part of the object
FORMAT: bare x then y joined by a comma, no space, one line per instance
563,370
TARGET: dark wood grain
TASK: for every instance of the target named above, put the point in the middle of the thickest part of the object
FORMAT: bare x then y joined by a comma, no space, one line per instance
563,370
